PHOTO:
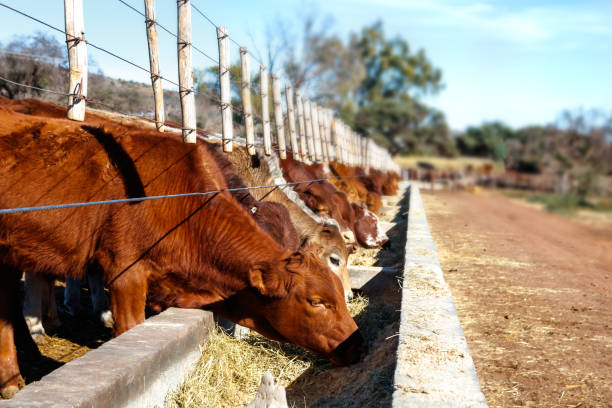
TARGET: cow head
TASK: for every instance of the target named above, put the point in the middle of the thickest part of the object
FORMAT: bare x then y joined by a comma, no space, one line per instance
334,254
369,232
374,202
301,301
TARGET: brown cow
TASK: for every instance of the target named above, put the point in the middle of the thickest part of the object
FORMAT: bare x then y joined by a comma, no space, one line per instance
321,196
254,171
271,216
203,251
318,195
261,170
353,180
369,232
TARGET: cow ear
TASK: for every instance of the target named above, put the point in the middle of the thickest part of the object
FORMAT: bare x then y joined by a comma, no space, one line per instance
266,280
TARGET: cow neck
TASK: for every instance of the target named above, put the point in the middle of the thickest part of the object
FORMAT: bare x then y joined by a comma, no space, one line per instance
235,240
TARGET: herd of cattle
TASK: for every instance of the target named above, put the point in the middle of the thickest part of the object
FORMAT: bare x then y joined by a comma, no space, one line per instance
485,175
271,259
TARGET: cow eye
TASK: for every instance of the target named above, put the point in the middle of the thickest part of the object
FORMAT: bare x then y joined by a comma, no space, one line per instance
335,260
316,302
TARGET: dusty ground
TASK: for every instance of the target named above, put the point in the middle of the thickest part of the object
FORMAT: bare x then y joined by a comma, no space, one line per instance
534,295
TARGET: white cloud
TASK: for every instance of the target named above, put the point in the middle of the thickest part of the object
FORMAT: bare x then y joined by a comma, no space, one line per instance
528,24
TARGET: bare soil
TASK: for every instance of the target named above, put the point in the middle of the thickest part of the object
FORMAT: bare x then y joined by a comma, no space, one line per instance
534,296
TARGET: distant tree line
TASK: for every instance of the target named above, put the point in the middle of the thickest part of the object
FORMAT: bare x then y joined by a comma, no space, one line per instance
577,149
373,82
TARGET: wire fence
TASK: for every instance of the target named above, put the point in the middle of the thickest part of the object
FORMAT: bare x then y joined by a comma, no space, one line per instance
214,98
209,94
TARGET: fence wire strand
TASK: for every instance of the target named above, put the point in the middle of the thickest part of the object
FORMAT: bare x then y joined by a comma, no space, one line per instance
215,98
216,26
147,198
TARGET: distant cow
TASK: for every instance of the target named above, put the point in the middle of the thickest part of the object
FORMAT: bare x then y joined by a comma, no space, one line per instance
325,194
319,195
197,252
369,232
354,180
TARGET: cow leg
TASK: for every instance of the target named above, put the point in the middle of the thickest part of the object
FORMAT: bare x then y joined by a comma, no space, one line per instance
35,291
50,316
72,296
10,378
99,299
128,293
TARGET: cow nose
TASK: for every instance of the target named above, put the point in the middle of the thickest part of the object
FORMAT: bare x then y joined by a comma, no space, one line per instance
350,351
349,237
348,294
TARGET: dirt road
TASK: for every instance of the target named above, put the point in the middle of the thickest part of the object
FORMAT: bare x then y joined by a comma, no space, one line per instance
534,295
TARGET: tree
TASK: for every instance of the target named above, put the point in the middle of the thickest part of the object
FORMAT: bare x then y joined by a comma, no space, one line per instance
374,83
487,140
392,71
38,60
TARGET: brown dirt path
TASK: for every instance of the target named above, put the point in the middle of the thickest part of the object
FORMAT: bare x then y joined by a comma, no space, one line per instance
534,295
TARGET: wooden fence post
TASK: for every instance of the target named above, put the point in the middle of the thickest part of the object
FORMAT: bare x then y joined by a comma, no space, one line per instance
309,127
328,134
361,150
224,87
278,117
334,136
301,124
339,152
77,58
364,152
185,71
339,145
367,153
264,87
353,148
156,80
358,148
291,120
314,112
246,100
323,132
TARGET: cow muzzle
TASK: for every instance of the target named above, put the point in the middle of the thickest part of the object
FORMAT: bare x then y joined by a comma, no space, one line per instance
348,236
350,351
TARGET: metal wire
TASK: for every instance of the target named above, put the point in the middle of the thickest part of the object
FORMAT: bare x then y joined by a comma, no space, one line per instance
73,38
216,26
137,199
168,31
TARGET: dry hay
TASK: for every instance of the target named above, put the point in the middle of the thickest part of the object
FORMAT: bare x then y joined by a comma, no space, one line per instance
73,339
229,370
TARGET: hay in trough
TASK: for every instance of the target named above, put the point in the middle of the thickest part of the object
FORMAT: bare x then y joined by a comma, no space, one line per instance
229,370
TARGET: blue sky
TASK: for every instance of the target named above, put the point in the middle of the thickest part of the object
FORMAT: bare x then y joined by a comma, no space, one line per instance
519,61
